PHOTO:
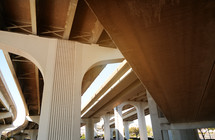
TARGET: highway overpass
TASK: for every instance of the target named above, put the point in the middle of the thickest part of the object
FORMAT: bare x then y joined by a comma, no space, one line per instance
55,49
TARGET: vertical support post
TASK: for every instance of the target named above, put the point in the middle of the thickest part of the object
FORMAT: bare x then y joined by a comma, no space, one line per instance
67,63
126,127
157,133
118,123
106,119
89,129
111,133
62,95
165,135
95,129
141,121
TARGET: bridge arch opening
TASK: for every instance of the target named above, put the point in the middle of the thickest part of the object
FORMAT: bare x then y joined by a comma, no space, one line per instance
29,81
134,116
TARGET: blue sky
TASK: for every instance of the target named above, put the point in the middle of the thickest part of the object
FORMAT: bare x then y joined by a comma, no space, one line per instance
4,68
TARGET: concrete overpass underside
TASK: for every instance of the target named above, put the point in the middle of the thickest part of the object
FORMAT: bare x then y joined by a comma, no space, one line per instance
168,44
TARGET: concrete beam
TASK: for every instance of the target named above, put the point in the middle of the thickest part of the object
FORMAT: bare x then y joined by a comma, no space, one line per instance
4,115
96,32
191,125
85,120
33,16
125,116
70,17
35,119
10,64
113,78
4,101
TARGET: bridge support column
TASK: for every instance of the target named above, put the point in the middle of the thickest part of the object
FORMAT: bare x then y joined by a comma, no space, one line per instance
141,120
61,106
165,135
67,62
95,129
118,123
106,119
126,127
171,133
111,133
63,65
157,133
89,129
186,134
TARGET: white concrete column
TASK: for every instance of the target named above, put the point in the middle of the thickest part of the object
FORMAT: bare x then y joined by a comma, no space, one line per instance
106,119
111,133
95,129
126,127
62,94
165,135
170,134
89,129
63,65
157,133
141,120
186,134
118,123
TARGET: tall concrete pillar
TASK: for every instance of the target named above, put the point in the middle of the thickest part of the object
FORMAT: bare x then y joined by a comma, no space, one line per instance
160,134
95,129
89,129
187,134
111,133
63,65
60,119
126,127
118,123
141,120
165,135
67,63
106,119
157,133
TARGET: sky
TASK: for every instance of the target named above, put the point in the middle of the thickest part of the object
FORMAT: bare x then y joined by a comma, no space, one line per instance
4,68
